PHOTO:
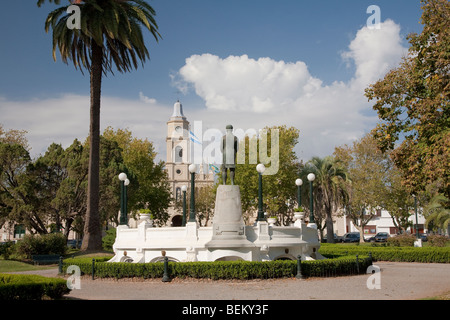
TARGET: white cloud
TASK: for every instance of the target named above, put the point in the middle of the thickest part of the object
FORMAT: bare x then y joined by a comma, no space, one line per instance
244,84
375,51
64,118
146,99
264,92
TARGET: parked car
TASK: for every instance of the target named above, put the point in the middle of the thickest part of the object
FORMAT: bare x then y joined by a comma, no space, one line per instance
351,237
74,243
381,237
336,238
423,236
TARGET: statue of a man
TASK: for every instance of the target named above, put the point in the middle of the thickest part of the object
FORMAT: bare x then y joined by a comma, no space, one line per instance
229,147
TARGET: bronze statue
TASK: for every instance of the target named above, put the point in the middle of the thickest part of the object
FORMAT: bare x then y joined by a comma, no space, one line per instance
229,147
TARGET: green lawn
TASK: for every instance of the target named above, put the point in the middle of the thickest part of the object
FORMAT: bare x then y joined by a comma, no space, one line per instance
13,266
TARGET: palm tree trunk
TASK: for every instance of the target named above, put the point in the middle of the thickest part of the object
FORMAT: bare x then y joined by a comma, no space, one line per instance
330,229
92,239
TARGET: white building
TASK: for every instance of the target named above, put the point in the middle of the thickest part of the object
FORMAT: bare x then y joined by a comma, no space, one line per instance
381,222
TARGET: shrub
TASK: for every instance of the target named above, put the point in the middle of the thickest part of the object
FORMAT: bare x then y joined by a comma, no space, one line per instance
399,254
242,270
53,243
109,239
31,287
402,240
437,240
6,249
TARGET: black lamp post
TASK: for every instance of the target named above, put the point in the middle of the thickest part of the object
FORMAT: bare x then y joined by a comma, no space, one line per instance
311,178
184,188
299,183
192,169
260,168
417,221
124,182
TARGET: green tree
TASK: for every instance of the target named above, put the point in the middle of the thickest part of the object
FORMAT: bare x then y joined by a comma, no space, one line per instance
14,157
149,185
367,169
15,200
44,178
412,102
329,187
437,213
279,189
70,198
397,200
110,35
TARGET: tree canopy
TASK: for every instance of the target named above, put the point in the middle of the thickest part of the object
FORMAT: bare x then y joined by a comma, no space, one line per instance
49,192
412,102
283,167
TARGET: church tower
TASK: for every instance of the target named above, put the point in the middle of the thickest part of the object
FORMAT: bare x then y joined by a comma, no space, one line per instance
178,159
178,150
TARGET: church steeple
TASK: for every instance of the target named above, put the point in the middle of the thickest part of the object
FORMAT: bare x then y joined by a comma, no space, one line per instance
178,111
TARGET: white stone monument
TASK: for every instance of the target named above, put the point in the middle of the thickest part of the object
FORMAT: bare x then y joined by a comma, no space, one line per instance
228,238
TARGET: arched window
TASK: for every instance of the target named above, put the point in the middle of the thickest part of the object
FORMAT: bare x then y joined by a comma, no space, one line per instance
178,154
178,194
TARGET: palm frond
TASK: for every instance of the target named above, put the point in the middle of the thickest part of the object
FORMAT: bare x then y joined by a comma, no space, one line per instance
114,25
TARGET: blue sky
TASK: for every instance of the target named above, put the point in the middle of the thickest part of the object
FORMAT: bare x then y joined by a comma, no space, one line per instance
319,44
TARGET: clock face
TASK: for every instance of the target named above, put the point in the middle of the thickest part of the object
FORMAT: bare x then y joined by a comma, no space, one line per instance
178,129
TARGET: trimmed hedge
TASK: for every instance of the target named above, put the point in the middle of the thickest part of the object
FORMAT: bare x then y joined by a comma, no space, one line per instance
242,270
397,254
31,287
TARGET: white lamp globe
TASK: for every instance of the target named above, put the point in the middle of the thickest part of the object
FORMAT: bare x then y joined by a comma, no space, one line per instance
311,177
122,176
126,182
299,182
260,168
183,188
192,168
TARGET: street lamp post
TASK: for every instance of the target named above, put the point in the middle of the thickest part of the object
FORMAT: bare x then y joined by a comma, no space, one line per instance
299,183
417,221
124,182
184,188
260,168
311,178
192,169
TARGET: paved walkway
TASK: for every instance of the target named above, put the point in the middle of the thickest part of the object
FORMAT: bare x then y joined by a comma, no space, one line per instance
398,281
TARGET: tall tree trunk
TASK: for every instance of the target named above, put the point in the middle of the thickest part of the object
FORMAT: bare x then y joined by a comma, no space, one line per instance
330,229
92,239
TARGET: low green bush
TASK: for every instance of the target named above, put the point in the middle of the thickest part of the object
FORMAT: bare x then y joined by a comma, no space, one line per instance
6,248
31,287
243,270
402,240
53,243
437,240
398,254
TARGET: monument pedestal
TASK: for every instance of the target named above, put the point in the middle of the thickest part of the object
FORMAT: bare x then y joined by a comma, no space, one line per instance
228,225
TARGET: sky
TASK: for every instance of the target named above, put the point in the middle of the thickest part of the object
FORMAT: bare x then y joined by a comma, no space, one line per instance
249,63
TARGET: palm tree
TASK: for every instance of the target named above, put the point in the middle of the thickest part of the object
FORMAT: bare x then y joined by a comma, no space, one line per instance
329,190
437,212
110,35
